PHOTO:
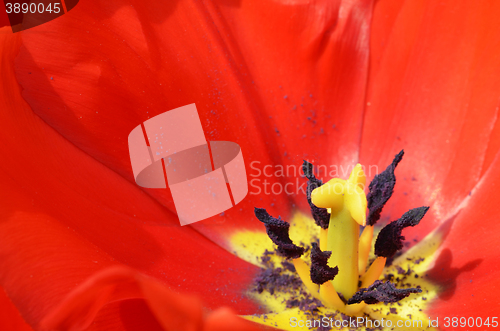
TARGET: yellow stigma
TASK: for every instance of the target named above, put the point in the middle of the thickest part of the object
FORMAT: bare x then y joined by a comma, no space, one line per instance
347,202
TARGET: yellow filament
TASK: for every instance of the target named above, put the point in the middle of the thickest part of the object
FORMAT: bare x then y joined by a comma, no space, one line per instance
373,272
303,270
330,297
323,239
365,244
354,309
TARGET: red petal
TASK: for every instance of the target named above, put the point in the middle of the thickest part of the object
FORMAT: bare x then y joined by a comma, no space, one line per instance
224,319
252,69
4,19
433,90
79,309
66,216
133,314
10,318
467,267
171,310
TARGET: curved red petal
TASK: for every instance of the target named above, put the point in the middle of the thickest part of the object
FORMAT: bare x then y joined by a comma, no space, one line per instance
467,265
172,311
79,309
10,318
284,89
130,315
433,91
224,319
66,216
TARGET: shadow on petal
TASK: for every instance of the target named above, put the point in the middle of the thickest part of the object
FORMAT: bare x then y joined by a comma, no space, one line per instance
446,275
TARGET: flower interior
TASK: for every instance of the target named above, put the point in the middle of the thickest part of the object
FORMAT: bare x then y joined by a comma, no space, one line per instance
332,267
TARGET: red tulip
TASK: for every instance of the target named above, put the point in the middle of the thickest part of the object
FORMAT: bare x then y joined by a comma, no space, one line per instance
334,82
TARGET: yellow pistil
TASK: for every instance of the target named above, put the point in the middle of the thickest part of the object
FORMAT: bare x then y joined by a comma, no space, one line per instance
343,243
323,238
347,202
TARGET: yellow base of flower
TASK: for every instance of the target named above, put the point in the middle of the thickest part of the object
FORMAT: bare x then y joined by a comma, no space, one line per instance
251,246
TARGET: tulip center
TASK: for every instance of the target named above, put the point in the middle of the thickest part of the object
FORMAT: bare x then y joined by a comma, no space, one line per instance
343,271
338,267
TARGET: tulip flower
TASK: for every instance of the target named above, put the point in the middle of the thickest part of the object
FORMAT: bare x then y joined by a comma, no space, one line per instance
333,82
